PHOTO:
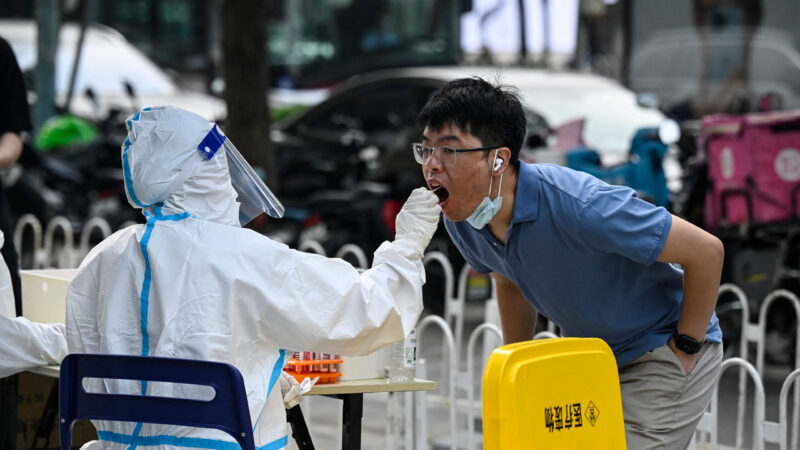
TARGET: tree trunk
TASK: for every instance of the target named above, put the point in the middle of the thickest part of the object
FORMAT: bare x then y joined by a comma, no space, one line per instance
246,72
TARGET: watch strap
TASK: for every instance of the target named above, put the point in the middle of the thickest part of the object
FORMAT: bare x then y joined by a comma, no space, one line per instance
687,344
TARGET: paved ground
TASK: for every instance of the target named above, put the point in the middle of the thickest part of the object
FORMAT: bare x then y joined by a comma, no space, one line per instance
324,413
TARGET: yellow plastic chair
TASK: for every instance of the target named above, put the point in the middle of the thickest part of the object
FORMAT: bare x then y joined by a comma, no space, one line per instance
552,394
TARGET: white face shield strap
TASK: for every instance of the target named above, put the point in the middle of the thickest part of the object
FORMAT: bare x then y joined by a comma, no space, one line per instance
254,196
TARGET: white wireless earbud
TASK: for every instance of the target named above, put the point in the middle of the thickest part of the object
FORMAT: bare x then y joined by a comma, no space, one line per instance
498,163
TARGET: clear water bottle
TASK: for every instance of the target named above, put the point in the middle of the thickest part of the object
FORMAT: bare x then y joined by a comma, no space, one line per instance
403,359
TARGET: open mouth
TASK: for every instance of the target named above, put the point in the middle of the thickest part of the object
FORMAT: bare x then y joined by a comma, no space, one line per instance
440,192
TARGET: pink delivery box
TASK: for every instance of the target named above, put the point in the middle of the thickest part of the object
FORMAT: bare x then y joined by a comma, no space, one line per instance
753,166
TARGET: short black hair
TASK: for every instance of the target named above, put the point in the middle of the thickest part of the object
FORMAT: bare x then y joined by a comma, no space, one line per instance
491,113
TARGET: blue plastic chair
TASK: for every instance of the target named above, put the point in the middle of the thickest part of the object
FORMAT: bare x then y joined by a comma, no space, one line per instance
227,411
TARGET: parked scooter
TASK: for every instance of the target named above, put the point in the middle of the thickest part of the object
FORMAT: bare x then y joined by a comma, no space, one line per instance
73,169
643,171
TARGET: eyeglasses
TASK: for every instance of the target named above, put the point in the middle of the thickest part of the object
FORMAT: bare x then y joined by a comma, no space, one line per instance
447,156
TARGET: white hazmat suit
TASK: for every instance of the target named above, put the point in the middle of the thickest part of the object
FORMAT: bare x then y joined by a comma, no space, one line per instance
192,283
25,344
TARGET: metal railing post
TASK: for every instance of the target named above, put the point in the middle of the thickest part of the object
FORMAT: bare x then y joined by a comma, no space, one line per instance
354,250
312,246
29,220
761,344
481,329
56,223
448,335
86,233
782,415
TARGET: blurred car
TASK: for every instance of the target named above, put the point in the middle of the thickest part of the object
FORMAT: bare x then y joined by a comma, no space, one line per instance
108,62
670,66
363,130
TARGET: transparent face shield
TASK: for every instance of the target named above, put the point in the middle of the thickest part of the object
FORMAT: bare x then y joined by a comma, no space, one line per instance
254,196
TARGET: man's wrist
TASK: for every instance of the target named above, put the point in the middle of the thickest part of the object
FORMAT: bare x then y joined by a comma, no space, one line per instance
687,344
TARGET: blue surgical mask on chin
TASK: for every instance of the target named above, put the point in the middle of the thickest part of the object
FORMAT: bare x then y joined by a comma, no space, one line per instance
487,209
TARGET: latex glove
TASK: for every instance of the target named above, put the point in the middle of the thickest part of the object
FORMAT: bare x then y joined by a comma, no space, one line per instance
418,219
292,391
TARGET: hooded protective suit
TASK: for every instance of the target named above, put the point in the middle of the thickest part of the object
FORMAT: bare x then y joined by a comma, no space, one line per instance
25,344
192,283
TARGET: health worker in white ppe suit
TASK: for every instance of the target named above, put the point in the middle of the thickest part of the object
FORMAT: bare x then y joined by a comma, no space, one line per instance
192,283
25,345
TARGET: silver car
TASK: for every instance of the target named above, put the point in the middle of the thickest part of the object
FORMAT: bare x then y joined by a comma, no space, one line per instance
108,61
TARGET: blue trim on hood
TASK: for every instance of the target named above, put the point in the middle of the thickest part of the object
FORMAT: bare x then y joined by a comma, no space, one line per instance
126,166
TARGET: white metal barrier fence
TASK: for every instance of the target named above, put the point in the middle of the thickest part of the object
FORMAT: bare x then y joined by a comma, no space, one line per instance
764,431
465,380
352,249
452,326
484,328
312,246
44,253
451,376
756,333
793,378
453,304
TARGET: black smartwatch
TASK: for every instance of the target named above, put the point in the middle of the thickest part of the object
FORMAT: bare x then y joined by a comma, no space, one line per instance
686,344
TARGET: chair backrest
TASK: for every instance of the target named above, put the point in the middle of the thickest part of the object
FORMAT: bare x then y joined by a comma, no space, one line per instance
552,394
227,411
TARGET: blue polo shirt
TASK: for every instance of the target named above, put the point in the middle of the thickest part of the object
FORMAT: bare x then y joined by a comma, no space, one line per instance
584,252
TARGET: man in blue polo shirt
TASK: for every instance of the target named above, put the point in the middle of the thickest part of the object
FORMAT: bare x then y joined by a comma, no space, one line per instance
591,257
